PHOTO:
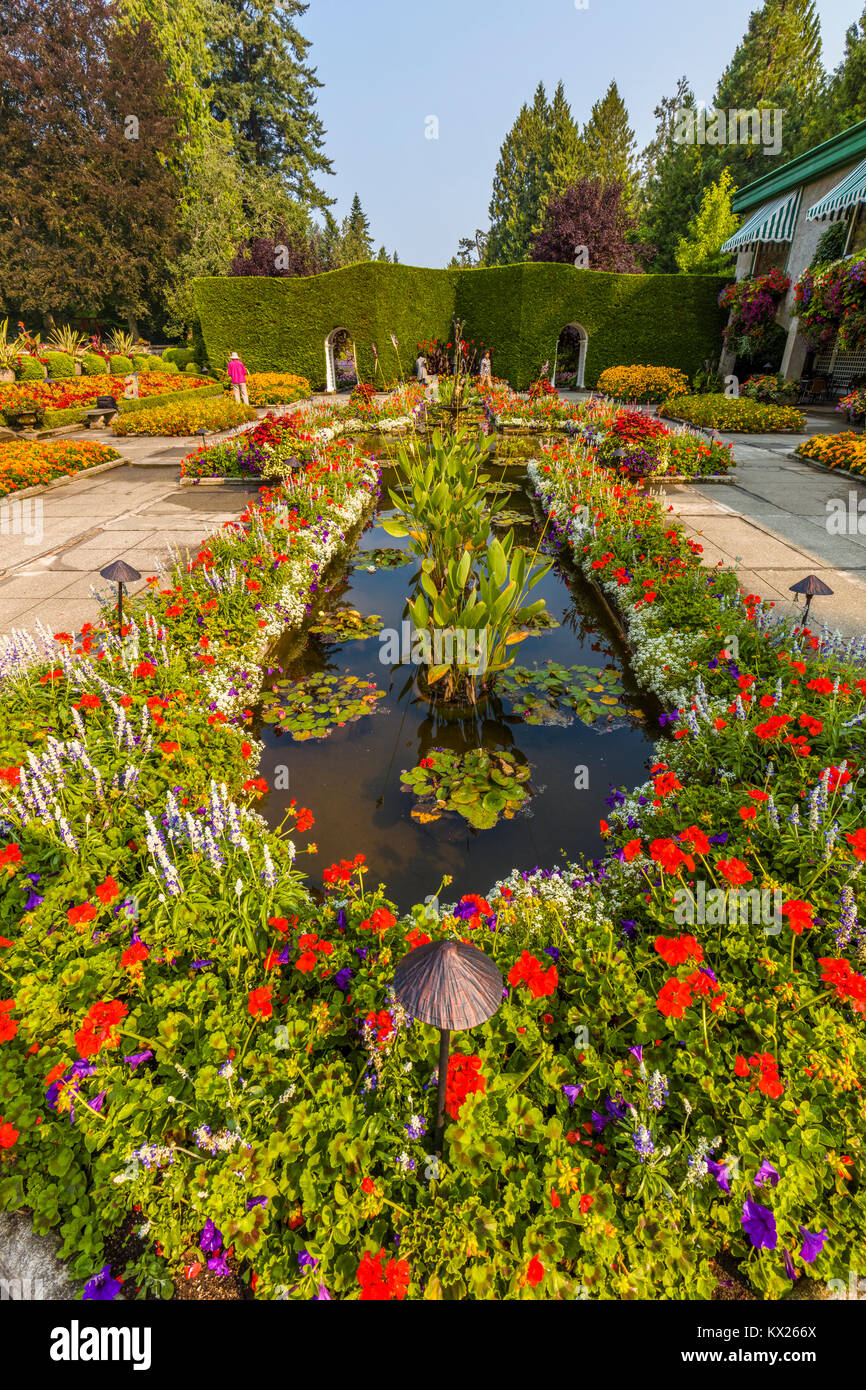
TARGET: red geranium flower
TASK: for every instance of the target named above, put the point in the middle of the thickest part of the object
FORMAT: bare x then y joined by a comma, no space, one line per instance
259,1002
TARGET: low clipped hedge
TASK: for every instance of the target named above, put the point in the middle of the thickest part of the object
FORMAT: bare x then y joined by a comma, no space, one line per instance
281,324
56,419
734,413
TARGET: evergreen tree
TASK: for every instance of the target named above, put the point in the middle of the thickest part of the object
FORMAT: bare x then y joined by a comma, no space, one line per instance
383,255
777,65
843,103
261,83
88,206
608,145
698,251
355,241
672,182
564,148
180,29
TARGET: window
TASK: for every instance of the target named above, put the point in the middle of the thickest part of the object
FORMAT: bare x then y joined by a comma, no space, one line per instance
771,255
857,239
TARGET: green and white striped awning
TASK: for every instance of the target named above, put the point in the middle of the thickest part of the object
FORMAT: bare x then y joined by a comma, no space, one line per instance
775,221
850,191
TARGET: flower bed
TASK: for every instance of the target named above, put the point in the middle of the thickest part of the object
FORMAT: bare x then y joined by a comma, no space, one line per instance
190,1042
845,450
643,384
80,393
246,453
737,414
26,464
276,388
184,417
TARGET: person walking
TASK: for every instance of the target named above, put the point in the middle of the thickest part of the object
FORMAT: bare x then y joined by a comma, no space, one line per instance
421,369
238,379
484,371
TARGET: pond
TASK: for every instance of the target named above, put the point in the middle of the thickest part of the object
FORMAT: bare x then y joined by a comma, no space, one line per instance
600,734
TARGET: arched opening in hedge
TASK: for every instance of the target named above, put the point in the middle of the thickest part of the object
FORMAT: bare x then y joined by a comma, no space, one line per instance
339,341
571,352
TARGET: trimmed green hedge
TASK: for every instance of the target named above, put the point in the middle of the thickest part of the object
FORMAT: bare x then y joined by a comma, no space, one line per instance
181,357
93,365
280,324
120,365
59,364
126,407
30,369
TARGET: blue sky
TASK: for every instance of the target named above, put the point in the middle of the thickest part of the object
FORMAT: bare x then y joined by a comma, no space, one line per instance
388,65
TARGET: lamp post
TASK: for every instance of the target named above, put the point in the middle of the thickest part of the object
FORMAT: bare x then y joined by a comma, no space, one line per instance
810,586
452,986
120,573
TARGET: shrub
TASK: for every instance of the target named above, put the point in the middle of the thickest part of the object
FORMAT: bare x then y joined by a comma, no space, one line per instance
120,365
183,417
846,450
143,362
191,369
30,369
276,388
93,365
735,413
59,364
643,383
181,357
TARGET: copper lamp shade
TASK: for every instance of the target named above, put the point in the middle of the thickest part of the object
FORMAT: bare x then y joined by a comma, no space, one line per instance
448,984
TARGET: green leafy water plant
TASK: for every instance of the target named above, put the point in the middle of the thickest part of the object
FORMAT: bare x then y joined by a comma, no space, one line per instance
345,624
543,696
480,786
313,706
383,558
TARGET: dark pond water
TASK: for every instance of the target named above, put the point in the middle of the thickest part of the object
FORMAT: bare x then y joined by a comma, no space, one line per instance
351,779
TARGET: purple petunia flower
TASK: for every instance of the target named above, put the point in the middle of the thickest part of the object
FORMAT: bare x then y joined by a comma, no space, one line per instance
766,1175
33,901
200,964
136,1058
572,1093
789,1268
342,978
217,1265
323,1296
759,1223
306,1260
629,928
211,1239
102,1288
812,1244
256,1202
721,1172
553,952
637,1052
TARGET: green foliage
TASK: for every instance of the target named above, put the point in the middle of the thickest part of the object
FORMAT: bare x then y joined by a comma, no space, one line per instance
315,705
608,145
93,365
59,364
181,357
120,365
735,413
30,369
281,324
698,252
480,785
143,362
831,245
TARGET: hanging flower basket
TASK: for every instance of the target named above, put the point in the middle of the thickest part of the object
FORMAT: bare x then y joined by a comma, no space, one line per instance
832,301
753,305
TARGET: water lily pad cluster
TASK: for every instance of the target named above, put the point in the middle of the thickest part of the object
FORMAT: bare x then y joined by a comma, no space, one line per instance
383,558
480,786
547,695
509,516
314,705
343,624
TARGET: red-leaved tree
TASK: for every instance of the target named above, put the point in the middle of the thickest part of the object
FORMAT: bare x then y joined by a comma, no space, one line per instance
590,214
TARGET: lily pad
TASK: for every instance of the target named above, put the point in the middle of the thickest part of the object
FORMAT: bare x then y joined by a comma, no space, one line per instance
345,624
509,517
555,694
383,558
480,786
314,705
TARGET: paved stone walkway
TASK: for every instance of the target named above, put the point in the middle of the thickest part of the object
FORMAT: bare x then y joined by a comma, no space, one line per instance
131,513
771,526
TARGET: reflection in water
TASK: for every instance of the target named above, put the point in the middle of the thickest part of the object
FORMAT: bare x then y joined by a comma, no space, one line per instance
351,780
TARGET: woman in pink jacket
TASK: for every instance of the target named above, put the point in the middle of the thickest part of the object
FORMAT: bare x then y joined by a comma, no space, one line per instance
238,378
